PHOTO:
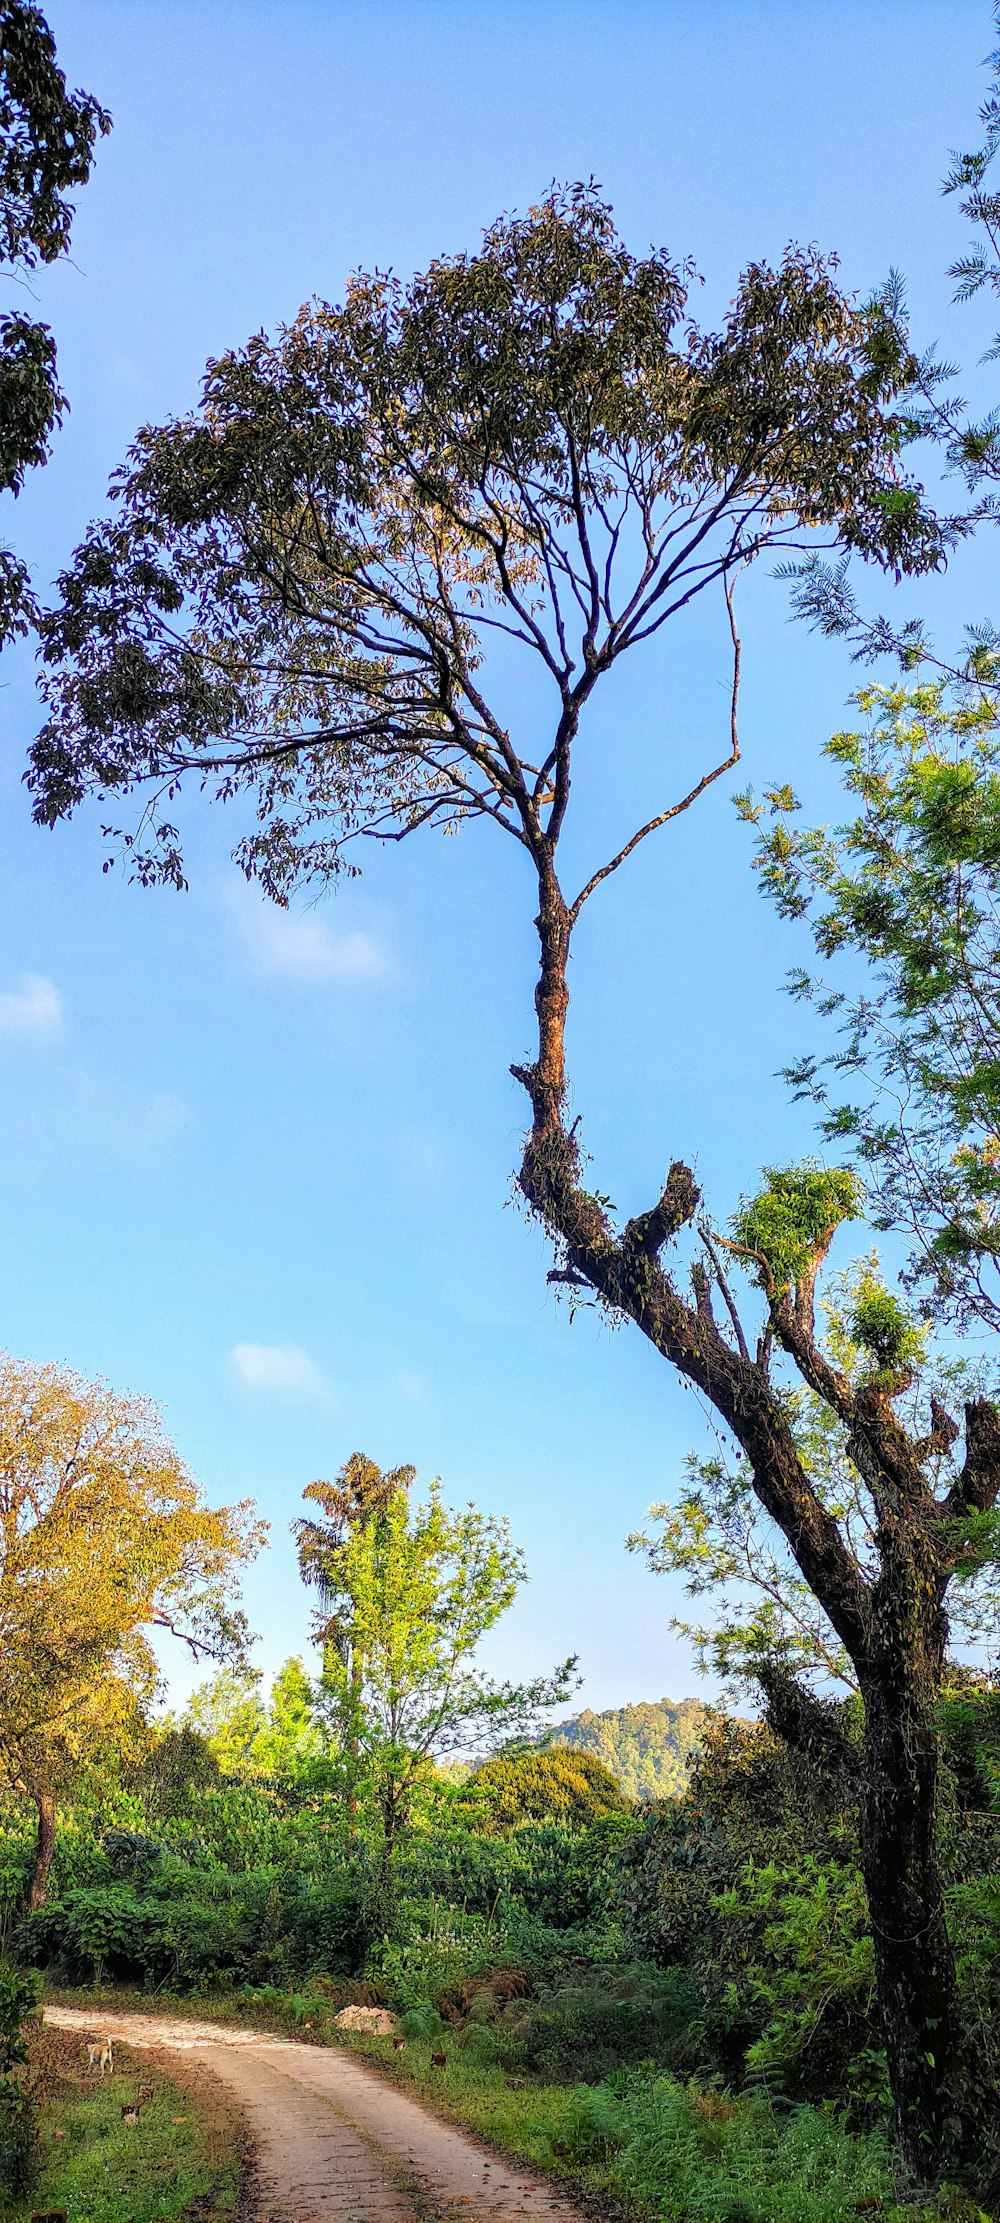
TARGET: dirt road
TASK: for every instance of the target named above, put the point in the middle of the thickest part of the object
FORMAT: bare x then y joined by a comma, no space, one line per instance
335,2144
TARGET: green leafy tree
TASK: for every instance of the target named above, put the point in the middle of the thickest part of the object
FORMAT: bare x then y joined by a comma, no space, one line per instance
360,1495
104,1537
911,883
557,1785
47,140
292,1737
228,1715
409,1593
245,1735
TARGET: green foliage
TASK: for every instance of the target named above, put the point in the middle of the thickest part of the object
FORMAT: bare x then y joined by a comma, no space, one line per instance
409,1592
558,1784
910,883
602,2021
241,1733
647,1747
419,465
47,140
788,1228
178,1762
796,1958
690,2153
883,1327
438,1949
173,1923
18,2118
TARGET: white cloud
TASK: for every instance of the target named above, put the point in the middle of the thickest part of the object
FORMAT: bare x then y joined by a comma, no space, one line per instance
282,1369
296,945
32,1006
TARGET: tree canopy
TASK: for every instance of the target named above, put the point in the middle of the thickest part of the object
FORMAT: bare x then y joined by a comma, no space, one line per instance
409,1593
104,1538
47,141
558,1784
295,593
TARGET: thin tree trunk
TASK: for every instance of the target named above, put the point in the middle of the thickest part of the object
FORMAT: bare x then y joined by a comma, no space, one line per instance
353,1747
45,1845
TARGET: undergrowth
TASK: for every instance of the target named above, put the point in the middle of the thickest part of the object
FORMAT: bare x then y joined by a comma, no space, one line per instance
665,2149
181,2159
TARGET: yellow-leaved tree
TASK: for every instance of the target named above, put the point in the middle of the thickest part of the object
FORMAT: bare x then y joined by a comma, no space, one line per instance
104,1537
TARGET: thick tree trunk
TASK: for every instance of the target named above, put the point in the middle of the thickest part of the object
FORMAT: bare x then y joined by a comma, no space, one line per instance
944,2100
45,1845
893,1629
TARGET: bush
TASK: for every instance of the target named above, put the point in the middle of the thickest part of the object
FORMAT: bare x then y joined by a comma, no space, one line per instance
328,1926
585,2030
434,1951
696,2154
18,2119
561,1784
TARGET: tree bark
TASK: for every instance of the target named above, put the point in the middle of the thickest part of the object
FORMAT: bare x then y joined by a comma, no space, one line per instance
944,2101
894,1629
354,1746
45,1845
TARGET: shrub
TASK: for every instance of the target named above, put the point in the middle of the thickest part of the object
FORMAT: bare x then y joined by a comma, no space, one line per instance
18,2120
587,2029
328,1926
561,1784
691,2154
434,1950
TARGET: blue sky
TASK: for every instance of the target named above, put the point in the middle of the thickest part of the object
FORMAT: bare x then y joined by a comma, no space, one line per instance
256,1165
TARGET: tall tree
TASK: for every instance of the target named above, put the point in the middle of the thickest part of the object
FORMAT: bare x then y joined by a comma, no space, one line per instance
360,1495
47,141
294,601
409,1592
104,1537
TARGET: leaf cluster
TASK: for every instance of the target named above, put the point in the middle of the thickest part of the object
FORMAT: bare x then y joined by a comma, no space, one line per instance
910,885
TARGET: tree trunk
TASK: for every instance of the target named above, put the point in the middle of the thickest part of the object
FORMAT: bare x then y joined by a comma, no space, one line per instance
945,2107
353,1747
45,1845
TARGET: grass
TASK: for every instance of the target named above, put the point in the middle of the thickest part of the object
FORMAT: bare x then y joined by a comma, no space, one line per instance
661,2150
643,2147
183,2158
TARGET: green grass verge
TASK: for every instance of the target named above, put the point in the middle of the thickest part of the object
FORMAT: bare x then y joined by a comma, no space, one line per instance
182,2158
645,2149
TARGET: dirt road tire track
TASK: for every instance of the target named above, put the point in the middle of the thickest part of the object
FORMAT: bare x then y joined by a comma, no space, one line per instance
334,2144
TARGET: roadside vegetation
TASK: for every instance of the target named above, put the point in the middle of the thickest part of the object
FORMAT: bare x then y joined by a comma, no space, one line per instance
185,2156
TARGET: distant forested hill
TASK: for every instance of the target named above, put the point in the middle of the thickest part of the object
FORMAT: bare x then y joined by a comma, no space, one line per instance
647,1747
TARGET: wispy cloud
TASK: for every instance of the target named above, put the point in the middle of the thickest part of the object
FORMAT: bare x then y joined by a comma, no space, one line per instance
282,1370
296,945
32,1006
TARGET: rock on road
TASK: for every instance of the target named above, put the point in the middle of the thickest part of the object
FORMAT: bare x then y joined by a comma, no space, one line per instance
335,2144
